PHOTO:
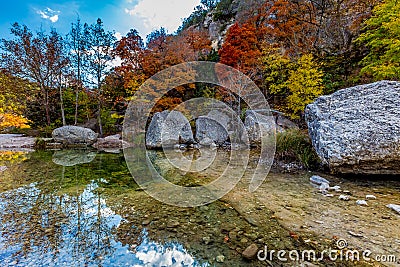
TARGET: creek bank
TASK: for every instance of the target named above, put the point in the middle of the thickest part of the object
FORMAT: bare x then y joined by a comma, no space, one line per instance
19,142
16,142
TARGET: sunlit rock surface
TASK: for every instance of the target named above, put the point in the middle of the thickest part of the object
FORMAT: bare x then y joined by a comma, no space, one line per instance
74,135
357,130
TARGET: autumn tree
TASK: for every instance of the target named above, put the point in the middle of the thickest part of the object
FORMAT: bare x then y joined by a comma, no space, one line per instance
241,49
78,47
14,95
292,24
305,83
100,43
276,67
130,51
38,58
382,38
164,50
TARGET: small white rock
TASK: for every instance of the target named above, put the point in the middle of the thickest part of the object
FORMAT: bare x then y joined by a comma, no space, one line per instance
3,168
370,197
361,202
315,179
394,207
323,187
344,197
335,188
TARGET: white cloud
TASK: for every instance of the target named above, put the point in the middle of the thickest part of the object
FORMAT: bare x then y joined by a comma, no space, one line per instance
160,13
118,35
49,14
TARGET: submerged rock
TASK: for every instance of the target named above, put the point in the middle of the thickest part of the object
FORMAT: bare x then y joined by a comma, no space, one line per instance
220,258
250,252
167,129
74,135
357,130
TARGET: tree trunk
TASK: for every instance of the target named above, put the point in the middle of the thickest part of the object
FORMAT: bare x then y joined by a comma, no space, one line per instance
77,90
99,120
76,106
62,106
47,108
99,105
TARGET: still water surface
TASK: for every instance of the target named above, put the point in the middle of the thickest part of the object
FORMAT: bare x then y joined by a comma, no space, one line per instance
83,208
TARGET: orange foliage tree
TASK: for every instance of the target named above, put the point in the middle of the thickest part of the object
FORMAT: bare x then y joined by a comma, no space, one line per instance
241,49
162,51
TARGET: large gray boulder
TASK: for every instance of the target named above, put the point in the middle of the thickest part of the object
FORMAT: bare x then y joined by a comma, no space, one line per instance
357,130
210,128
167,129
74,135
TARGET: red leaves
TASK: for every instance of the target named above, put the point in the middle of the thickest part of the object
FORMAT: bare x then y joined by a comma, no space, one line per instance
241,48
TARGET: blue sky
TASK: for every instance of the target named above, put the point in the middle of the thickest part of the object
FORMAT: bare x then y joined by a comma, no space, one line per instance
118,15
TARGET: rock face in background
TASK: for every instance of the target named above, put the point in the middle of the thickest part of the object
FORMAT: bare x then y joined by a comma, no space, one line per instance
218,21
357,130
74,135
168,129
283,123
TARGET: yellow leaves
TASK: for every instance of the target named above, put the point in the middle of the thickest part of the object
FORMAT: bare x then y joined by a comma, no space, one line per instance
8,120
276,69
116,116
305,84
297,82
12,156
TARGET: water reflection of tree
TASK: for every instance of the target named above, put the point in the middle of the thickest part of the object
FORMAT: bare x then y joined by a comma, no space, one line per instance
42,223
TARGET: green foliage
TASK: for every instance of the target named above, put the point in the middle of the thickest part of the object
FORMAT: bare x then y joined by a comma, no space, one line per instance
46,130
110,121
40,143
223,10
382,38
296,145
305,83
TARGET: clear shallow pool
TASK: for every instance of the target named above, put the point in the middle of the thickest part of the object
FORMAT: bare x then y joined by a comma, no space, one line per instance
81,208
